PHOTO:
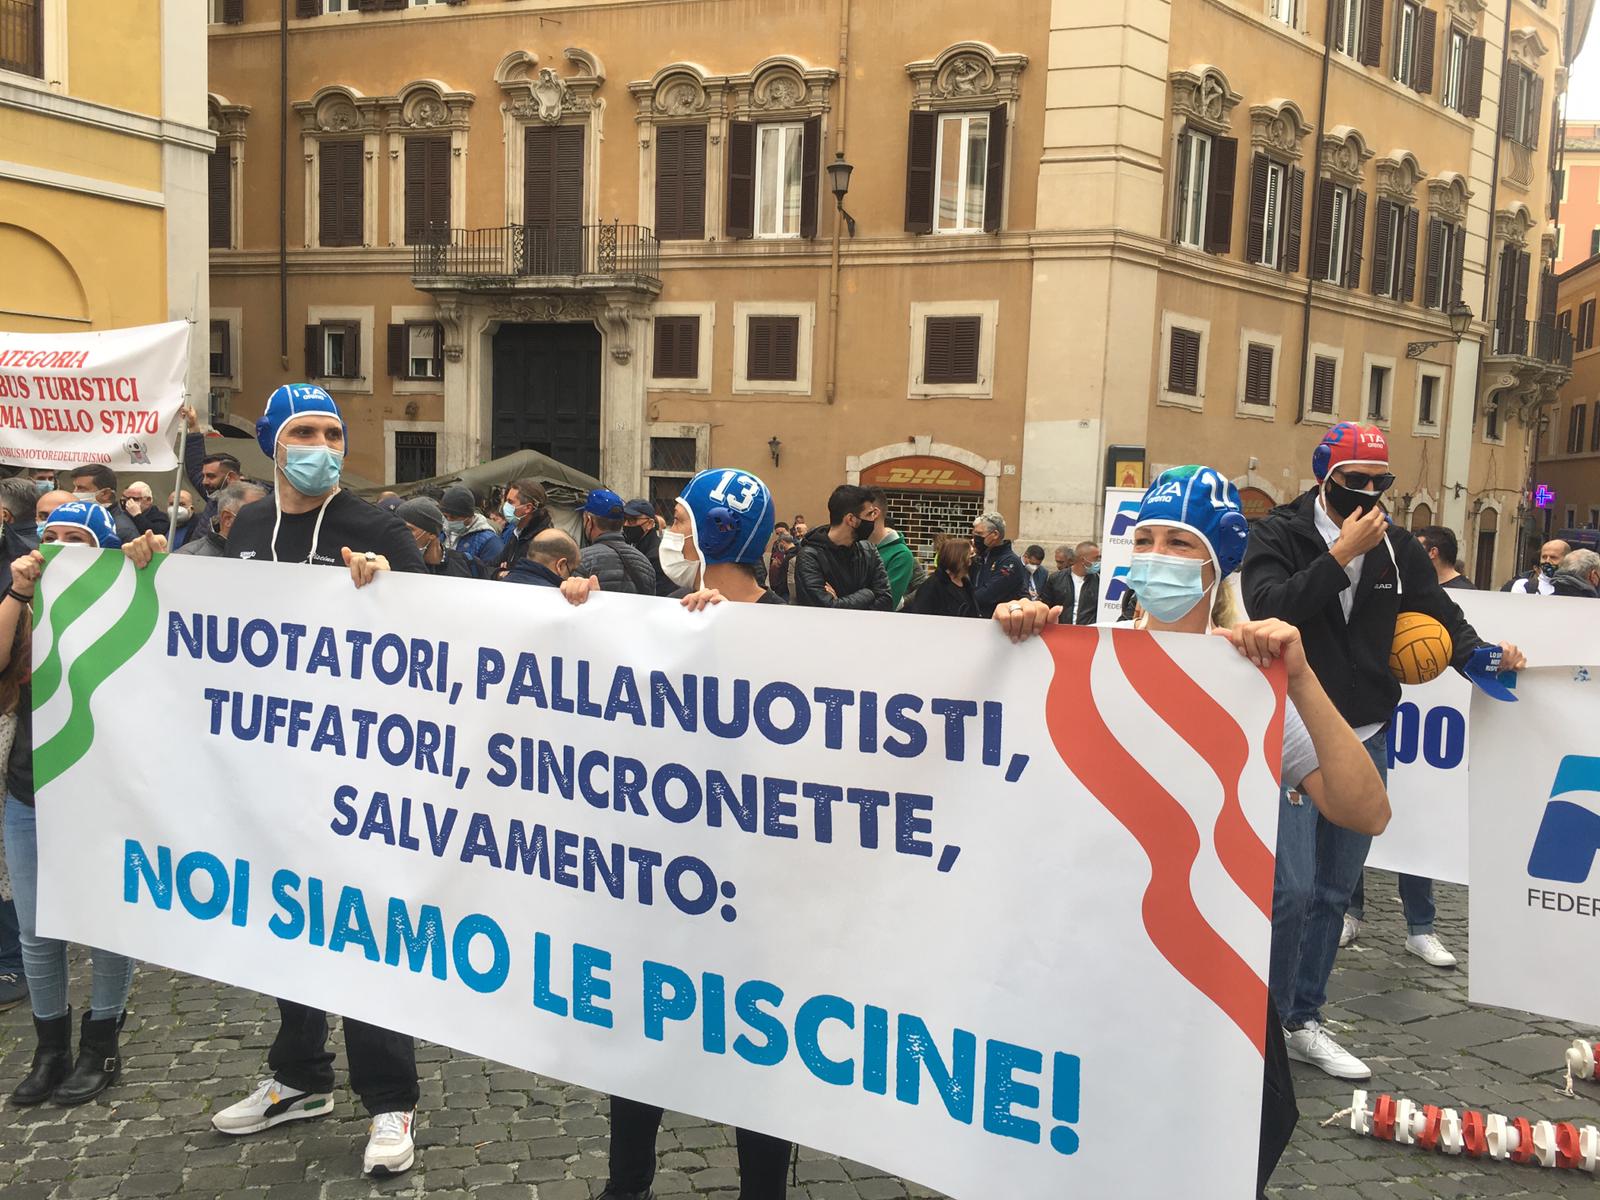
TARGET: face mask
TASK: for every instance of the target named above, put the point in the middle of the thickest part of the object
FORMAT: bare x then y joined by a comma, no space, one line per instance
41,486
1168,587
864,530
454,527
633,534
1093,568
682,571
1346,501
508,510
312,470
86,497
978,544
1549,569
183,515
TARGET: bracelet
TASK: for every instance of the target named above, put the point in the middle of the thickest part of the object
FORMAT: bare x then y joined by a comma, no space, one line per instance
18,596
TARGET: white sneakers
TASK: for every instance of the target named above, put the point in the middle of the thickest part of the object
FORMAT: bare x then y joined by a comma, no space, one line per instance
1351,930
271,1104
1314,1045
1429,949
390,1149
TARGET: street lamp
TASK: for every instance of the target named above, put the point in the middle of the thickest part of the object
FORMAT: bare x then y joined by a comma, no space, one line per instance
1460,320
773,447
839,181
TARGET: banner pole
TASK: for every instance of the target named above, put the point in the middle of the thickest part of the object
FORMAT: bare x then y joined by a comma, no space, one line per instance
182,423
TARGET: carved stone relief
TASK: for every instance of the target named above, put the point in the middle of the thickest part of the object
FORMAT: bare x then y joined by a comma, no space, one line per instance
1398,176
1448,196
965,74
1278,129
1344,155
1202,98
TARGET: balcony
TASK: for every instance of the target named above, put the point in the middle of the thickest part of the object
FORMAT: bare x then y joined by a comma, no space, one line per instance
1538,341
536,259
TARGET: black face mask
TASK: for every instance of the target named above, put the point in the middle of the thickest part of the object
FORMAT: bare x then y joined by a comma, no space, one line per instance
863,530
1549,569
1345,501
633,534
979,544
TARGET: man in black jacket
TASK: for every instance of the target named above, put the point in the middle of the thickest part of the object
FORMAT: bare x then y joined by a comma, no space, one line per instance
837,567
998,573
608,556
526,515
640,530
1333,565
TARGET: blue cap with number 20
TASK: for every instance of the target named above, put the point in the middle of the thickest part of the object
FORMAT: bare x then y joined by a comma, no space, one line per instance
732,515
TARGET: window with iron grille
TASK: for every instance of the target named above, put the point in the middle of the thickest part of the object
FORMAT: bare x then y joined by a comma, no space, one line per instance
950,349
773,348
1324,377
22,37
1183,362
672,454
416,456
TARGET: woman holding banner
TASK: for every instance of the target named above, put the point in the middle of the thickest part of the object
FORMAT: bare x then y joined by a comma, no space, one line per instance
54,1075
1190,535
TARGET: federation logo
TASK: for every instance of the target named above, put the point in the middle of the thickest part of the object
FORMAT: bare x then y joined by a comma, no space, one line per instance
1569,834
1126,516
1117,586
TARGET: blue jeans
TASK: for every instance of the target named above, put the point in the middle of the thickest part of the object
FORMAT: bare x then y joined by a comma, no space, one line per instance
1416,898
44,960
10,945
1318,868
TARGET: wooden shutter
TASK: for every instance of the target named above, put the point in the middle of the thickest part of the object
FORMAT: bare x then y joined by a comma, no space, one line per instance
1294,204
1512,100
1407,290
538,185
1547,296
438,350
921,151
1557,176
313,351
399,351
1219,202
1458,236
1433,283
1472,90
1358,228
681,181
352,350
1534,99
569,177
1258,374
1322,230
1256,237
307,8
224,365
1322,378
810,171
1383,228
340,213
1506,289
427,187
1372,32
394,3
1520,302
994,176
677,348
773,351
1427,35
219,195
1183,362
950,349
741,215
233,12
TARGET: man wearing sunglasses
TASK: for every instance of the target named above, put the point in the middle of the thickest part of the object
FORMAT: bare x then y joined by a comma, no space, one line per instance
1333,565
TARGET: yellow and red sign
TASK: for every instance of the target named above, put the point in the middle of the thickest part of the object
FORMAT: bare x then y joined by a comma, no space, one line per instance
923,474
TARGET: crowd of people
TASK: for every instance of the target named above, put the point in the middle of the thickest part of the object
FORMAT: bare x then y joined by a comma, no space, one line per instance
1323,578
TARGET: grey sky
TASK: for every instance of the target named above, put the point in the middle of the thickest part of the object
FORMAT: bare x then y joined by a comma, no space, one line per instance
1583,89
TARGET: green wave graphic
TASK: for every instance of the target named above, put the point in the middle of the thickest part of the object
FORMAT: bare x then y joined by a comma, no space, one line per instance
94,666
81,593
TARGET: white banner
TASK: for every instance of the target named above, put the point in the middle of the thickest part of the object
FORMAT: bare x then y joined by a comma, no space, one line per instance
110,397
1535,894
985,918
1116,550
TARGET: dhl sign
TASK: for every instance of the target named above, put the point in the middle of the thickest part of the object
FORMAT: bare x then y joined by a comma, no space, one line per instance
923,474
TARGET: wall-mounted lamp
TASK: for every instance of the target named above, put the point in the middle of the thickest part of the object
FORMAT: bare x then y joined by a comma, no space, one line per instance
773,447
839,181
1460,321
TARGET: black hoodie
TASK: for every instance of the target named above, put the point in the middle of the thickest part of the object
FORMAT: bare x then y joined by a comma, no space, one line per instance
1290,573
855,572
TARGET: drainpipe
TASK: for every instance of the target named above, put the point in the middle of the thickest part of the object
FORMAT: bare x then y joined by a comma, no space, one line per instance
1316,192
283,184
831,387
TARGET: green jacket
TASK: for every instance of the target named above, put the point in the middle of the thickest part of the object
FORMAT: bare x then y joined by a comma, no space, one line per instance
899,564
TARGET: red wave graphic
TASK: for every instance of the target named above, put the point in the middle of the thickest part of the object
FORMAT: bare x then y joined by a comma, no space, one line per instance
1196,717
1162,827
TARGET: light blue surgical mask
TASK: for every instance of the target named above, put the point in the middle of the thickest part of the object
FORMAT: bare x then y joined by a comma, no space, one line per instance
312,470
1093,568
1168,587
508,510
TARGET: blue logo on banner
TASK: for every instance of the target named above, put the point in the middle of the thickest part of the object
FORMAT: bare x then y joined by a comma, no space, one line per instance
1127,515
1569,835
1118,584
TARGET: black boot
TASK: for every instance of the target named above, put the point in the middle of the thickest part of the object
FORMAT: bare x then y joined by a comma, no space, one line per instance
98,1064
52,1059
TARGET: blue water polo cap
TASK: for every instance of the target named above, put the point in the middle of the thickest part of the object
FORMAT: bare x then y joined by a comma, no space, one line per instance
290,400
1200,500
606,504
86,514
731,511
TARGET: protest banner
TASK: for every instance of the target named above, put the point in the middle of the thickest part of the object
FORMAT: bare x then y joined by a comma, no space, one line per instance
1535,832
108,396
1116,550
983,917
1431,745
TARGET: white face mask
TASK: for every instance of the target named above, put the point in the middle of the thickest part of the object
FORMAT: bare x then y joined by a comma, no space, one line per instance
682,571
183,515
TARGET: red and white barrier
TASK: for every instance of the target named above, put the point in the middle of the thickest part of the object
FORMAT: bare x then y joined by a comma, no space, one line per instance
1560,1145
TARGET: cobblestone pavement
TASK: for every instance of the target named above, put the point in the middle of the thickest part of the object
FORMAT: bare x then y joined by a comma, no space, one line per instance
495,1133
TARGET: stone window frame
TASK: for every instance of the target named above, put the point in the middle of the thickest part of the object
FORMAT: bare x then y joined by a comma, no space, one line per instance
421,108
227,121
1202,99
988,314
414,314
1311,416
681,93
1343,156
337,112
1388,363
233,318
800,386
542,95
1274,342
1194,324
1440,399
706,310
364,316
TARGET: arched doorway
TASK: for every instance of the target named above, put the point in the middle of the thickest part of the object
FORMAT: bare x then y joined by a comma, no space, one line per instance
927,496
1421,516
1483,557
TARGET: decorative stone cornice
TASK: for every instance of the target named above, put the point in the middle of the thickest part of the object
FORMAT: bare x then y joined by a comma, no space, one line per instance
1398,176
224,119
1512,225
336,109
540,93
1278,128
1448,196
546,308
427,105
1547,246
680,92
781,86
1525,46
1467,11
1202,98
964,75
1344,155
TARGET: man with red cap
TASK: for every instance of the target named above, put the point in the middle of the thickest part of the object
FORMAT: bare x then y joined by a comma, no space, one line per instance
1332,564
